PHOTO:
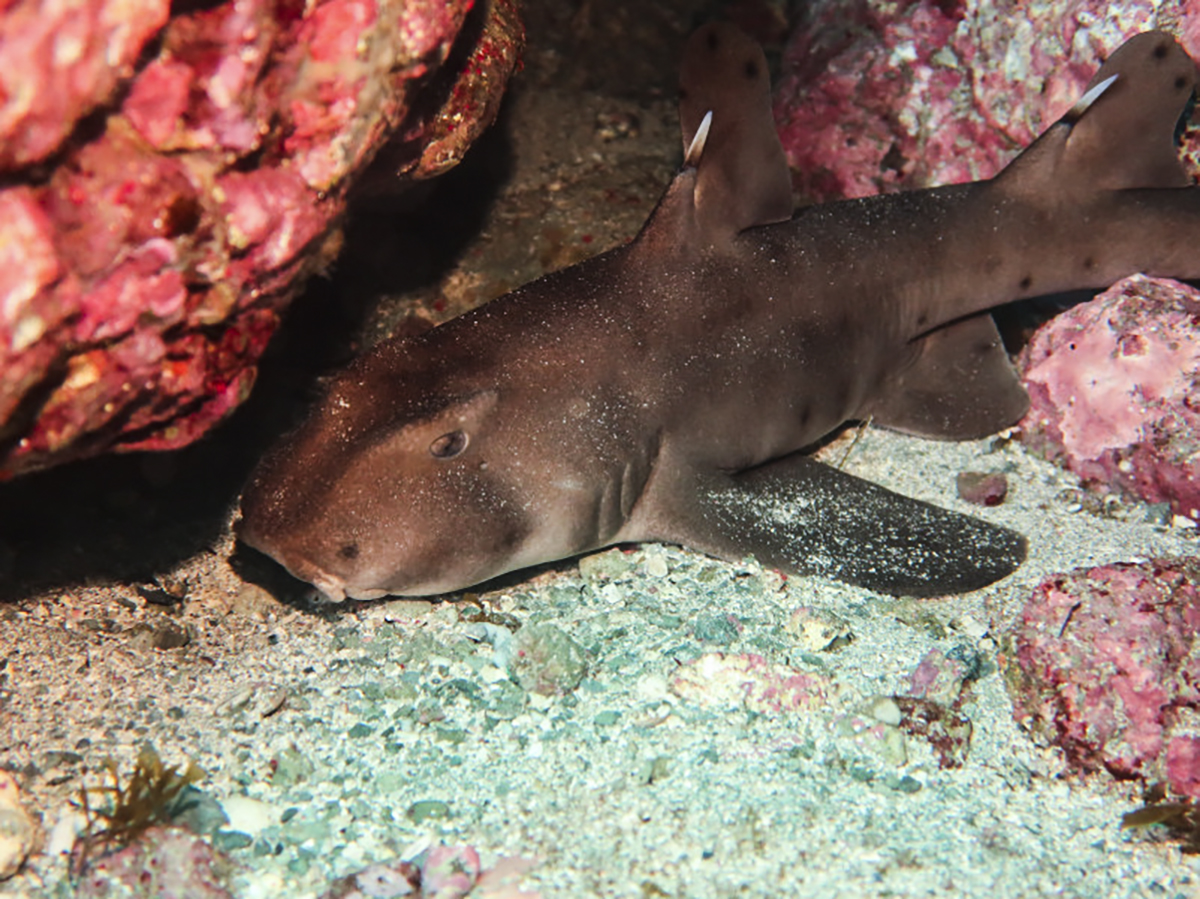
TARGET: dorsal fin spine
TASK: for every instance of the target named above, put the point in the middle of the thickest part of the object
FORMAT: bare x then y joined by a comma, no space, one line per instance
1084,103
695,150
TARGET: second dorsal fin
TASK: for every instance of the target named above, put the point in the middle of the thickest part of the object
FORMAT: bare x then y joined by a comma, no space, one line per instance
1126,137
1121,133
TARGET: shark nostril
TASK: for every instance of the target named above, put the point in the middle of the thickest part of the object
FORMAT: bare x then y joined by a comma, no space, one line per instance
349,551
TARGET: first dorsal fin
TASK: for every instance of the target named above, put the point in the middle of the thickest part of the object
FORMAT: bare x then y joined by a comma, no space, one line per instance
1121,133
742,177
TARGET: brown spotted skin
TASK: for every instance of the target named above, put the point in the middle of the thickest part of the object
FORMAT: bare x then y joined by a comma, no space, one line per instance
666,390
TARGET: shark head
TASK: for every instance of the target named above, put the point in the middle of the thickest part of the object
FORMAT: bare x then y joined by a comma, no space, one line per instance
368,499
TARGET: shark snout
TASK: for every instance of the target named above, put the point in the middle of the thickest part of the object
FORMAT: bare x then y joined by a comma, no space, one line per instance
334,587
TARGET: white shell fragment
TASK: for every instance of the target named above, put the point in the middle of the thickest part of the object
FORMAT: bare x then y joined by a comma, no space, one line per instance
17,828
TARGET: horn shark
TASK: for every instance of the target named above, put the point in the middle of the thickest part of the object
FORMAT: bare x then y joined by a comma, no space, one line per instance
667,390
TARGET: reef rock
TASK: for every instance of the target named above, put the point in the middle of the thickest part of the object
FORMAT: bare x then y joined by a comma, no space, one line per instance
1112,387
1105,663
160,862
173,173
878,95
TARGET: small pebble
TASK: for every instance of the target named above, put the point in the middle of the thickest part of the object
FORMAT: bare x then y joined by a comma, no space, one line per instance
613,125
490,674
604,566
249,816
653,688
883,740
818,632
885,709
946,731
982,488
656,565
940,676
972,627
407,610
718,628
231,840
547,660
63,834
254,602
427,810
499,638
1158,513
654,770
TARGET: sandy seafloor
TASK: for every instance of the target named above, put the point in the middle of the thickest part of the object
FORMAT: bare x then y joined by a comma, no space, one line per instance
621,787
339,736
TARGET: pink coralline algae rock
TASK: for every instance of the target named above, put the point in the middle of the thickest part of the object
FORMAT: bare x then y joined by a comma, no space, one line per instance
442,872
749,682
59,61
173,173
1112,386
880,95
162,862
1105,663
940,678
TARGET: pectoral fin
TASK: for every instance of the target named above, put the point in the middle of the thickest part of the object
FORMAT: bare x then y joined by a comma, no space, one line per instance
803,516
961,386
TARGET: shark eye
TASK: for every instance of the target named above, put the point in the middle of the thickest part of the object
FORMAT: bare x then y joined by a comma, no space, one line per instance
448,445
